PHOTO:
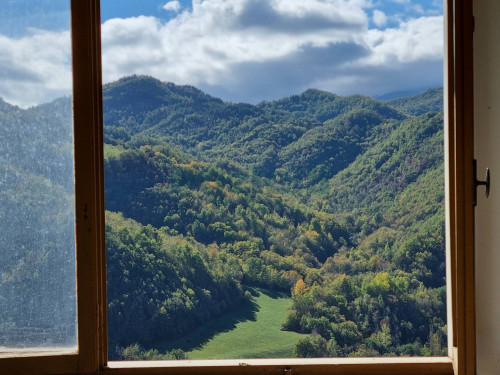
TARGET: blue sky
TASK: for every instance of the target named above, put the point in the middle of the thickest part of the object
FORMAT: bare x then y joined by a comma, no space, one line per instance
238,50
16,17
392,8
132,8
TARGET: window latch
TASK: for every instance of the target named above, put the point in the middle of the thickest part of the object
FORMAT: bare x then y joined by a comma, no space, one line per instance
477,182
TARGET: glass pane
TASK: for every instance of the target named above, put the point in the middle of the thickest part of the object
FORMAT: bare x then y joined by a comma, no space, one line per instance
37,215
274,178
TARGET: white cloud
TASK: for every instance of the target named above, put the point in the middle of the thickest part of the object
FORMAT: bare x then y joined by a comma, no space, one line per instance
252,50
173,6
35,68
242,50
379,18
403,58
208,46
415,40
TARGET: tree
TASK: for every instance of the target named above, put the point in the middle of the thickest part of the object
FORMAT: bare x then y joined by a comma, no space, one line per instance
311,347
300,287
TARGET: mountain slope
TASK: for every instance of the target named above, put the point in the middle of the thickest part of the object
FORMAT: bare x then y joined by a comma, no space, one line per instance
294,135
337,200
387,168
369,238
37,239
428,101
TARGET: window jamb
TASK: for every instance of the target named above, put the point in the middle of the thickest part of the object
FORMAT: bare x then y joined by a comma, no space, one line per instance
89,191
460,156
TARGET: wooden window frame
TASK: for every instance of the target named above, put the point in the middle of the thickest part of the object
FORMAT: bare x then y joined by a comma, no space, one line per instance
91,357
89,209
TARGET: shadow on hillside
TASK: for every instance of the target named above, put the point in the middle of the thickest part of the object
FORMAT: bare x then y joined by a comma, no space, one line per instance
224,323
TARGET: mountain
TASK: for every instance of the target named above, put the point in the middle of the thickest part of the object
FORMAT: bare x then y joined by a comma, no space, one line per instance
6,107
341,194
337,201
430,100
184,114
38,236
267,136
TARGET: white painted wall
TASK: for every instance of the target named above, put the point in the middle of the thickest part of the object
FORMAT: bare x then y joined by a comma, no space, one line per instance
487,152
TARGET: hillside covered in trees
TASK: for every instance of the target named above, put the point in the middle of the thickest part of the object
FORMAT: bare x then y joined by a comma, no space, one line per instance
37,239
336,201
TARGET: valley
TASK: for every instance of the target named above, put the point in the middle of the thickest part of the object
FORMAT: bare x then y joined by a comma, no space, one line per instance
315,222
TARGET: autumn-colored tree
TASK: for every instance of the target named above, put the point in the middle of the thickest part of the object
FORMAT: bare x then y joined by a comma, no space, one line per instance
300,287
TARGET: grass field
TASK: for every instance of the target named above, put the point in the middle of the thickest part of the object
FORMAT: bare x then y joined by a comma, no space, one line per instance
250,332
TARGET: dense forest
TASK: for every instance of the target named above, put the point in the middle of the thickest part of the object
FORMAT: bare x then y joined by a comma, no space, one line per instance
337,202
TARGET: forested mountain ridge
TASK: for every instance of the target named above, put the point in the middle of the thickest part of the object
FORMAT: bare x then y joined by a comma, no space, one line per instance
336,200
302,139
145,105
6,107
430,100
37,216
311,189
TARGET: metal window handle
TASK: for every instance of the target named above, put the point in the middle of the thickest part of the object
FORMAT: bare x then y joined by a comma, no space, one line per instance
477,182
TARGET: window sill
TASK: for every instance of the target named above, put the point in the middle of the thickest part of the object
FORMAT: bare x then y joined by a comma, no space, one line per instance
372,366
6,352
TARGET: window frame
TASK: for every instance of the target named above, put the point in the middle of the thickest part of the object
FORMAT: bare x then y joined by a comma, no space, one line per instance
89,210
89,194
460,189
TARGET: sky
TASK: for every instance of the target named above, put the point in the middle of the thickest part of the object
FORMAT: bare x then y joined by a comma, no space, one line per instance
237,50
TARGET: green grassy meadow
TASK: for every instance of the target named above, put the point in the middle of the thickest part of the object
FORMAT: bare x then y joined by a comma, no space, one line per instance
254,331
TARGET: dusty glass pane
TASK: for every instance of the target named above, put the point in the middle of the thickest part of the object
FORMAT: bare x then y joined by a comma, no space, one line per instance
37,216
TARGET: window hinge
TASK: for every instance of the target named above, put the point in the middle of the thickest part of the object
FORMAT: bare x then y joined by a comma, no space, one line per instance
477,183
